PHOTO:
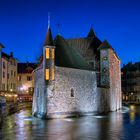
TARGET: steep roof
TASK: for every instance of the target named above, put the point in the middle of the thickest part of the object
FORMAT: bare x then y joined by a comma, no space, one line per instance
26,67
86,46
1,45
106,45
91,33
67,56
49,38
5,55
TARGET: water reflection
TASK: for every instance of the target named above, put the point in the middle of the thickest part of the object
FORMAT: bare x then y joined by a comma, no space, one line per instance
132,113
121,125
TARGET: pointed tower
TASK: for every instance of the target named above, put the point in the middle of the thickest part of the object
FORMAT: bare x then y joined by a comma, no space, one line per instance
91,33
48,57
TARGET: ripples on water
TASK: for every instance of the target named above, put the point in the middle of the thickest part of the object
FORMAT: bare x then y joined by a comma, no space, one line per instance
121,125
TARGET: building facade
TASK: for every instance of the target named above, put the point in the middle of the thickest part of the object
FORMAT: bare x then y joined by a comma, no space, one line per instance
26,78
77,76
131,82
8,72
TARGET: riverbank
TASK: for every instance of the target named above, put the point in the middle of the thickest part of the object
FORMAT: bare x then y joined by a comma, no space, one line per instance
11,108
131,103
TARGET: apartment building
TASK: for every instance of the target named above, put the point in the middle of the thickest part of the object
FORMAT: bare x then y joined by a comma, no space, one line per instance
26,78
8,71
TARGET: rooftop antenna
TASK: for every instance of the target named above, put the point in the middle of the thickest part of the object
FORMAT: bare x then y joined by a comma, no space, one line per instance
58,28
49,20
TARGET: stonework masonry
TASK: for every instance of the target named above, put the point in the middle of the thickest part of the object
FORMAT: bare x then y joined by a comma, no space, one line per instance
71,87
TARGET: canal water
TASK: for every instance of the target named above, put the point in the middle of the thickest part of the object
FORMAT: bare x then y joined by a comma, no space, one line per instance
121,125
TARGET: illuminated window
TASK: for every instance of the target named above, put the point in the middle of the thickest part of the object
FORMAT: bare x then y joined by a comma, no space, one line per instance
105,58
52,74
47,74
47,53
52,53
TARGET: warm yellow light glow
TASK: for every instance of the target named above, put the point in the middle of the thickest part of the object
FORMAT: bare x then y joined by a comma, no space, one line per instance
11,90
47,53
53,53
52,74
47,74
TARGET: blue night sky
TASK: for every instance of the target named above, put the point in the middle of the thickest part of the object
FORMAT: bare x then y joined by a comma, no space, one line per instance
23,24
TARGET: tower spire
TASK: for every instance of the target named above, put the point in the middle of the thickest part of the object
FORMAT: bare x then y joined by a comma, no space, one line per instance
49,38
58,28
91,32
49,20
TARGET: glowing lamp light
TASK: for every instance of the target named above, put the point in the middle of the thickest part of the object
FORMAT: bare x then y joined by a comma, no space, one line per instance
15,95
11,90
23,88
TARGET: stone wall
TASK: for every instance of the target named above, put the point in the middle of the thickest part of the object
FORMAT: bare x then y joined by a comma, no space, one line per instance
115,82
74,90
40,95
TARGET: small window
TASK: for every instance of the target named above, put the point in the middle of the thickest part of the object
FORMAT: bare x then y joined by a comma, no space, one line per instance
19,78
7,75
14,74
53,53
104,70
47,53
47,74
3,74
72,92
29,78
52,74
4,65
11,73
3,87
105,58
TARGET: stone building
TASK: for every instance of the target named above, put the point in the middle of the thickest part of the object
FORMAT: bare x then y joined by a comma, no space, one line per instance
131,82
8,71
26,78
78,76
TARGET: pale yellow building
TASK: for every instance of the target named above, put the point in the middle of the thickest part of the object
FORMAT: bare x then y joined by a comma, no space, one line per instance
26,78
8,72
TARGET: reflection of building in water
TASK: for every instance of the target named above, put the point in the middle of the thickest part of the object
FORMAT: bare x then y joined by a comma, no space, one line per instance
131,82
132,113
76,76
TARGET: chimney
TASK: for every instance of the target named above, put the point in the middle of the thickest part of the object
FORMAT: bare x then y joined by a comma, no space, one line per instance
11,54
